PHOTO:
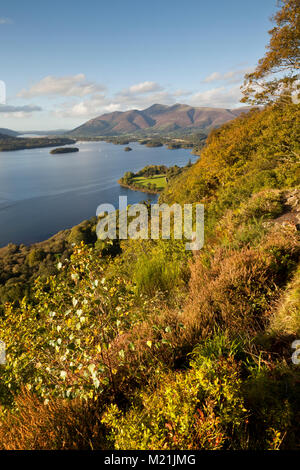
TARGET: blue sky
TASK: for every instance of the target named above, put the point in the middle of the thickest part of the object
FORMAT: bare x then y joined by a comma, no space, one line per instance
64,62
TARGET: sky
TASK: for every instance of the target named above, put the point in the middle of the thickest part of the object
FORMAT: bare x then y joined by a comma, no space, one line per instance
65,62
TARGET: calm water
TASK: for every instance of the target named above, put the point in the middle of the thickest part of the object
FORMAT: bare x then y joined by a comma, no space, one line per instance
41,194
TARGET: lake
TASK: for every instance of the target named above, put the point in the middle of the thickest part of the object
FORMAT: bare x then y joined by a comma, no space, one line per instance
41,194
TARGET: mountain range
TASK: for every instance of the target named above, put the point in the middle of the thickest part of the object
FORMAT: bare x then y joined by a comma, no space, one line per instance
157,118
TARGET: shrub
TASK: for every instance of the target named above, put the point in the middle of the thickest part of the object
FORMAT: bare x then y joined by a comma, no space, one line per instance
58,345
272,393
266,204
155,266
200,409
155,273
82,233
13,291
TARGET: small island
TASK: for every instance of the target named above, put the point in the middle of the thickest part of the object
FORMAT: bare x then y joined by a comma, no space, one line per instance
128,149
64,150
148,142
154,143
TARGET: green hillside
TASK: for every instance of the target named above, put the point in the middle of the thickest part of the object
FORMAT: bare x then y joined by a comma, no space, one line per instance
140,344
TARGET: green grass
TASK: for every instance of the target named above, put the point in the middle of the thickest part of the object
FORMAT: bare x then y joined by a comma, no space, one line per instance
159,181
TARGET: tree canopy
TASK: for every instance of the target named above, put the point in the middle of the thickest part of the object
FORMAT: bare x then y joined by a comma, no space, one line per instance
276,76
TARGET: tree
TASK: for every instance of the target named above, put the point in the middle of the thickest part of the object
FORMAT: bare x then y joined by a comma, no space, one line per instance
281,61
82,233
35,256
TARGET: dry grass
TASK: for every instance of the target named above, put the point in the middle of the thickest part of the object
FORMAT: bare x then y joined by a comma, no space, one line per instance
239,289
58,425
286,318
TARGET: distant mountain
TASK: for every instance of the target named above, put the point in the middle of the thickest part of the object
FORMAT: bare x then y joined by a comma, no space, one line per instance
8,142
157,119
43,133
8,132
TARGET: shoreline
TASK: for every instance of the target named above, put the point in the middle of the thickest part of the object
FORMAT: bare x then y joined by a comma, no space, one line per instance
21,143
136,188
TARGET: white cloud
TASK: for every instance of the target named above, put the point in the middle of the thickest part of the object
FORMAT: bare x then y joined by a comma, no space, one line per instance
213,77
142,102
14,109
141,88
221,97
6,21
232,76
99,104
18,112
88,108
16,115
73,85
179,93
110,108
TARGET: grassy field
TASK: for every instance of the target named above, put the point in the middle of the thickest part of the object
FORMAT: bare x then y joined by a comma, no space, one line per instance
158,180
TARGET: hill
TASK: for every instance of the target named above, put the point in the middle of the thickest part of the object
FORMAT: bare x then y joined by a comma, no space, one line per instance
9,132
8,142
158,118
45,133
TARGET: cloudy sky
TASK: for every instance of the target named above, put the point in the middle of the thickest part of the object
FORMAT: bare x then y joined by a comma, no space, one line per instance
64,62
